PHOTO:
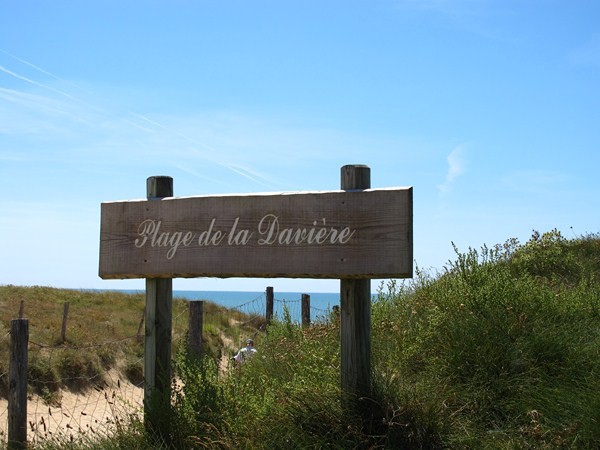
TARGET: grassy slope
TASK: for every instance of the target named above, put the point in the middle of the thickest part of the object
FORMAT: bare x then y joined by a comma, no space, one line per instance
507,342
101,334
501,350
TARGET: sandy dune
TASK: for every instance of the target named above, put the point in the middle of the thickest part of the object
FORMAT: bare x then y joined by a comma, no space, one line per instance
98,411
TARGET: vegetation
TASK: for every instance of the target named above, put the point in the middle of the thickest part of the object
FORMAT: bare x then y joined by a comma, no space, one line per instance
500,350
101,334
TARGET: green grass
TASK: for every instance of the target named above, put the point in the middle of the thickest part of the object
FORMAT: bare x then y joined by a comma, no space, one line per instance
101,334
501,350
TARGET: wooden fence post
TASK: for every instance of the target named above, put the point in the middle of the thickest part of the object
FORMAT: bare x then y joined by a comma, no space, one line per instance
335,316
157,344
355,315
305,310
140,326
17,384
22,309
269,297
63,328
196,318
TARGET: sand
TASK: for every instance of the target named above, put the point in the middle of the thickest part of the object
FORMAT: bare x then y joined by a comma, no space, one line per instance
96,412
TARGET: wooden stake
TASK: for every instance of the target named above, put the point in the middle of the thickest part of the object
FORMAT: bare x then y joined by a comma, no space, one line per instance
195,328
140,326
269,298
355,316
305,310
63,328
157,345
17,384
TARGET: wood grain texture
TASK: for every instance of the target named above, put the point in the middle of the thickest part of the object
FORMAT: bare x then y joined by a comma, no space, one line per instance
157,342
355,338
17,389
355,317
223,236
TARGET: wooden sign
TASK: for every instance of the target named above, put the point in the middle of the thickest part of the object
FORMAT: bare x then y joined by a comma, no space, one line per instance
332,234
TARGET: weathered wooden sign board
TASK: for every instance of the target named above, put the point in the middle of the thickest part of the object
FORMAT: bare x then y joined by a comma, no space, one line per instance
332,234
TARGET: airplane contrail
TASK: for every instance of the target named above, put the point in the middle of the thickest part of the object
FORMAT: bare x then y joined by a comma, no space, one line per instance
31,64
257,178
36,83
178,133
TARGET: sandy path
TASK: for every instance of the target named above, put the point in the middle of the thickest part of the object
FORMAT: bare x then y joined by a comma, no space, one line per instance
94,412
98,411
225,362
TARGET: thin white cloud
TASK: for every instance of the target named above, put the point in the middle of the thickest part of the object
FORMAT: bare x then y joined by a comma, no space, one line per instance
28,112
171,130
110,119
247,173
36,83
244,171
245,150
456,168
39,69
201,175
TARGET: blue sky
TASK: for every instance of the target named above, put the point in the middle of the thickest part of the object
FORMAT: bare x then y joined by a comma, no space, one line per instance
488,108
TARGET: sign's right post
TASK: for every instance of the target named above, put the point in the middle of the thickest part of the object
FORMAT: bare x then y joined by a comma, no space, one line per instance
355,314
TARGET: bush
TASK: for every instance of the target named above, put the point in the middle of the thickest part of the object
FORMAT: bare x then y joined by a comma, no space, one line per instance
508,351
500,350
134,371
200,402
43,378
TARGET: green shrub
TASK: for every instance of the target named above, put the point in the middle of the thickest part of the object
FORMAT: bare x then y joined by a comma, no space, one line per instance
499,350
79,370
500,346
201,406
134,371
43,378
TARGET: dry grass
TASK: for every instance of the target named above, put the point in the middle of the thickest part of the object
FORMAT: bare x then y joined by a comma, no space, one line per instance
101,334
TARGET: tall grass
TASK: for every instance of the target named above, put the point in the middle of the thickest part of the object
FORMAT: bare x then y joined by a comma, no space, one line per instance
506,343
102,329
500,350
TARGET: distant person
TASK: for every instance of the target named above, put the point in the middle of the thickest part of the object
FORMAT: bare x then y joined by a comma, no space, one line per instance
245,353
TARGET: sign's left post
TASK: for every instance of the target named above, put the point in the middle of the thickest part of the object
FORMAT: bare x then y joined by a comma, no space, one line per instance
158,335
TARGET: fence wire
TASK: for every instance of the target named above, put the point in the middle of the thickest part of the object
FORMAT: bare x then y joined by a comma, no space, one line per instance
94,398
89,402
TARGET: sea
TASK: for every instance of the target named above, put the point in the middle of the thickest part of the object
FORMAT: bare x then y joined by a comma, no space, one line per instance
255,301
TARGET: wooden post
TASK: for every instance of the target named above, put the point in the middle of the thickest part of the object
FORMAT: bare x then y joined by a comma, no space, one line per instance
335,313
139,330
269,312
17,384
305,310
157,345
22,309
355,315
195,328
63,328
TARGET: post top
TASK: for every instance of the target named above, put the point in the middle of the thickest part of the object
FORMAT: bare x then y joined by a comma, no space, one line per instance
159,186
356,165
355,176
